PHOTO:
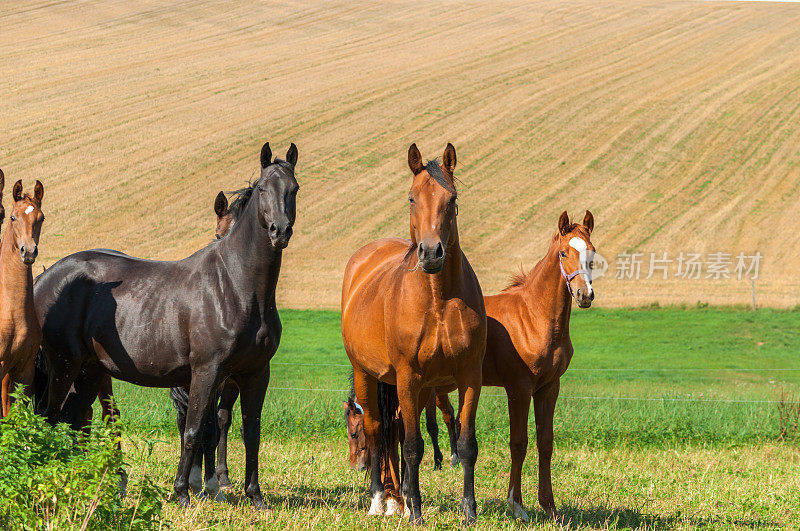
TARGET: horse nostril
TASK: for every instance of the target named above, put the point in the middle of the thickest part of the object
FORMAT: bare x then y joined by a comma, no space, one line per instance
439,250
273,228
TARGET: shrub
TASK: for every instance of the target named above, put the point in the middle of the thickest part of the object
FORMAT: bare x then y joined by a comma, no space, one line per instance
56,478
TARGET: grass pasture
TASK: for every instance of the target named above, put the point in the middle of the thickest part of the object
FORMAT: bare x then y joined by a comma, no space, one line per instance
667,419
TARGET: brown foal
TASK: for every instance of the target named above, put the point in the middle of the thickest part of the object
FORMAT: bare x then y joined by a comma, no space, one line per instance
528,346
20,333
413,317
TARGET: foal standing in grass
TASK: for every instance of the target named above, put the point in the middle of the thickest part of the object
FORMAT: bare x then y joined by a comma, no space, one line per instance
20,333
413,317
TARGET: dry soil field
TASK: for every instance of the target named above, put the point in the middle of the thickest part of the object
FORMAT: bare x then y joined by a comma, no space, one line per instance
676,123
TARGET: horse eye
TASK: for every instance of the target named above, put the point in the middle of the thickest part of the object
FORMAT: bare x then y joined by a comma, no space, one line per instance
563,254
411,200
13,218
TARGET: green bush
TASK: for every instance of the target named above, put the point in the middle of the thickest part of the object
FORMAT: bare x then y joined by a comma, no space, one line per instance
55,478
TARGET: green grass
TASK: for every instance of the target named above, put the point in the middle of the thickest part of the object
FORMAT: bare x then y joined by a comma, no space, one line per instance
652,377
667,419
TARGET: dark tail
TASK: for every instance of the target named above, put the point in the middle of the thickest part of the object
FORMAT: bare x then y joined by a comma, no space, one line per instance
40,382
210,434
388,407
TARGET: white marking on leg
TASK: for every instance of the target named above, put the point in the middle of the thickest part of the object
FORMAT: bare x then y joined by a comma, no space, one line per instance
406,510
376,507
516,509
29,209
196,479
392,507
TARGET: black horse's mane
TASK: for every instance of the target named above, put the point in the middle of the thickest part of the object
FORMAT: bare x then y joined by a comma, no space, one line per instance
240,197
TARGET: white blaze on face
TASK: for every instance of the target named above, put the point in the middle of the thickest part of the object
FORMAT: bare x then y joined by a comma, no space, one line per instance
29,209
583,251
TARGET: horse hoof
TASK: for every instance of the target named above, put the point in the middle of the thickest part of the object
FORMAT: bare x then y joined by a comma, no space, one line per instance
470,516
418,521
376,507
224,481
454,461
518,511
260,504
437,465
184,501
392,507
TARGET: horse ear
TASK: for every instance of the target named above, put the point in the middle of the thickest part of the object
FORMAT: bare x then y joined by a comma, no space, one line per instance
563,223
16,192
449,158
414,159
2,182
220,204
38,192
291,155
346,407
588,221
266,155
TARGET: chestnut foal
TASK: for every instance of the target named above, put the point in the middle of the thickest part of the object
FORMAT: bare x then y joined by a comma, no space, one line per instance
413,317
20,333
528,346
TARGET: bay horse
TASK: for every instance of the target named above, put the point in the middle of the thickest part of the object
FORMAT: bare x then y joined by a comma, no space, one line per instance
196,321
413,317
20,333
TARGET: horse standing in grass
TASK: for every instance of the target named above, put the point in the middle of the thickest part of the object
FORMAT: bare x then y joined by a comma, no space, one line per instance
413,317
196,321
20,333
528,347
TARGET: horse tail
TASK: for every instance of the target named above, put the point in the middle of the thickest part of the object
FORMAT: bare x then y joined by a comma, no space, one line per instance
180,400
40,382
388,407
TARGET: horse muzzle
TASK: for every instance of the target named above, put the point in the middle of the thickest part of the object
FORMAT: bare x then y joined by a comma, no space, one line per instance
28,255
431,257
279,235
584,297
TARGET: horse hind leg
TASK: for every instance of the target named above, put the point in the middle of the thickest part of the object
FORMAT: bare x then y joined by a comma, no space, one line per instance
433,431
519,401
209,448
449,417
230,393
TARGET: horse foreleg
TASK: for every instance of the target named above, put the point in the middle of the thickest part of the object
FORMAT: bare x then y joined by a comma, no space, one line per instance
230,392
449,417
408,392
209,448
544,405
433,431
468,394
366,390
519,402
201,389
253,390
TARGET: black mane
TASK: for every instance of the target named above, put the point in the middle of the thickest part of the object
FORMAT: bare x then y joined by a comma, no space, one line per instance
436,173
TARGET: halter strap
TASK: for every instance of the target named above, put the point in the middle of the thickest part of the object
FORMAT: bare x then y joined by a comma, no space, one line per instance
569,277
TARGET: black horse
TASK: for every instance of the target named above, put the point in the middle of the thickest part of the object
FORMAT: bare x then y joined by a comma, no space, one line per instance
196,321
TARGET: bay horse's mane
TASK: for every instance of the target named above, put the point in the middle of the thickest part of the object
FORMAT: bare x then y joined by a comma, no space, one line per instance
520,279
434,169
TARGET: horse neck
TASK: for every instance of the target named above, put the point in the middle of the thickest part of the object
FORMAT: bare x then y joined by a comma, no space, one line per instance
248,252
16,278
446,283
546,292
